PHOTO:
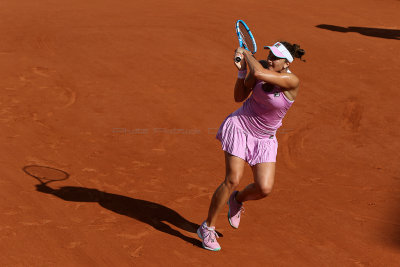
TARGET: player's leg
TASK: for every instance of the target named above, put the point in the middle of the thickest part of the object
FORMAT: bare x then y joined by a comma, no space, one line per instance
264,175
263,181
234,172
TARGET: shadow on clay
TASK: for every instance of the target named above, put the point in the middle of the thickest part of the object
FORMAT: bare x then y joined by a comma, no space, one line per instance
373,32
148,212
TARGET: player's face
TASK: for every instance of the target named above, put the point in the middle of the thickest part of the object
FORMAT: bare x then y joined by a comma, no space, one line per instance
275,63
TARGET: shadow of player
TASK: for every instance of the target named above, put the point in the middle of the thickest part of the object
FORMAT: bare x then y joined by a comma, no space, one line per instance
148,212
373,32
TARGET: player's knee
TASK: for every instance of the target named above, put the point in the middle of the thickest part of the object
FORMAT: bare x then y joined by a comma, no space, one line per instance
265,190
232,180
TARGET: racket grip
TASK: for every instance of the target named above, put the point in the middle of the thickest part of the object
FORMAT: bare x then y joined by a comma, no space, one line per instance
238,59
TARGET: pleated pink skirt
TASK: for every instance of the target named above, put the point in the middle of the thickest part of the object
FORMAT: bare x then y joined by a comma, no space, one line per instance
240,143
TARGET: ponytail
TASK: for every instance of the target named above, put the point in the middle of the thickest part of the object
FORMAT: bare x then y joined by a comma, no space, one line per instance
294,50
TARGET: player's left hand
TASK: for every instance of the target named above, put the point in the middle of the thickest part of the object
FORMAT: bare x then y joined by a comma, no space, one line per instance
242,64
240,50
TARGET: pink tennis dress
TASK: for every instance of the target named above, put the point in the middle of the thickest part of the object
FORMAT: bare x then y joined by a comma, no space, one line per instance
250,132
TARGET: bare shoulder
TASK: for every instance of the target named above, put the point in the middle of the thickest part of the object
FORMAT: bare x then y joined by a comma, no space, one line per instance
294,78
291,92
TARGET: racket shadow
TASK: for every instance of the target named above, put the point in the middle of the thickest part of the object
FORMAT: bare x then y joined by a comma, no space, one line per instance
153,214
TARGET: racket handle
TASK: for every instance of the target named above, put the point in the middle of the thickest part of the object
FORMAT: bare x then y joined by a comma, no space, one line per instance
238,59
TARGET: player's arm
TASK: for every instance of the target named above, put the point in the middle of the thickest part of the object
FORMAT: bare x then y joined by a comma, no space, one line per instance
243,86
288,81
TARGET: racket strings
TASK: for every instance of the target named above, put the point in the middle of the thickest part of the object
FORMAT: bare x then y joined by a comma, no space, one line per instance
246,38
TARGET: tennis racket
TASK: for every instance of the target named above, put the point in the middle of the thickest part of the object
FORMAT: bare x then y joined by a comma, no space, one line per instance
246,39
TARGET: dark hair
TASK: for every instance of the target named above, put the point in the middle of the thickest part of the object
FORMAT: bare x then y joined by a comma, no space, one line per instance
294,49
263,63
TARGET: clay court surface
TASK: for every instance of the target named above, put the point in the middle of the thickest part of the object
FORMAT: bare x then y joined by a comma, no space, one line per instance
121,100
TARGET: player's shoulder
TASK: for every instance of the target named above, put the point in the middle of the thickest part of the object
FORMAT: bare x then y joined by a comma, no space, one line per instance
294,80
292,75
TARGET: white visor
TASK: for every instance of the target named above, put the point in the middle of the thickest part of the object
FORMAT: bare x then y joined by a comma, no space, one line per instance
279,50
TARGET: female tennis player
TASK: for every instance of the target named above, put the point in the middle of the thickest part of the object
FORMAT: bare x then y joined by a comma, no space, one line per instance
249,133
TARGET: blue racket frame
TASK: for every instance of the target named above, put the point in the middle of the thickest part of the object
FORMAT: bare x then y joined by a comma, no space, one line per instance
241,44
